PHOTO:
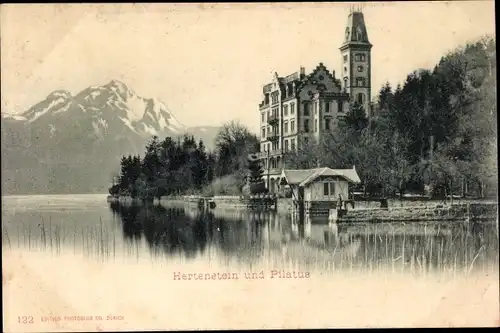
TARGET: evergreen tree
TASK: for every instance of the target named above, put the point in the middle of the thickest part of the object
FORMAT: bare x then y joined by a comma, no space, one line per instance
356,118
255,180
385,99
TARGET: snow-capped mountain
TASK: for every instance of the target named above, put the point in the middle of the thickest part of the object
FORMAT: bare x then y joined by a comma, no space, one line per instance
73,143
110,102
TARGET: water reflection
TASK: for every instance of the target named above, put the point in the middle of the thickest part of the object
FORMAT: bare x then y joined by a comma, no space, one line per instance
248,237
239,237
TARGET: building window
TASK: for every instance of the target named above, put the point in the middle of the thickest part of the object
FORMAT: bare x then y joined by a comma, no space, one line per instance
286,145
361,98
292,109
285,110
306,109
292,143
315,125
329,189
360,68
263,132
326,189
263,117
327,107
345,69
266,100
340,106
290,89
285,126
306,125
327,124
360,81
360,57
345,58
275,97
292,126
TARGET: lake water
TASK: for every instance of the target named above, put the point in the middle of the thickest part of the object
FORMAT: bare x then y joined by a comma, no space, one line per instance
77,239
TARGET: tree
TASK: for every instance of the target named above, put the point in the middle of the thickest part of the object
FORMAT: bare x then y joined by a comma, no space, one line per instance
151,162
356,118
255,181
234,143
398,170
385,99
308,154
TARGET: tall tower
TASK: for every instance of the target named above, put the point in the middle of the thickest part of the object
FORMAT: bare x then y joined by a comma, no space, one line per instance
356,61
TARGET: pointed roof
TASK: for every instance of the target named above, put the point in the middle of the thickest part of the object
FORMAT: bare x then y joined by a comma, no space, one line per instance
306,176
356,32
308,79
295,177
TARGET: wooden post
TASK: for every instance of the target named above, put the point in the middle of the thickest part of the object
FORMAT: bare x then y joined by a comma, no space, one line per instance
301,204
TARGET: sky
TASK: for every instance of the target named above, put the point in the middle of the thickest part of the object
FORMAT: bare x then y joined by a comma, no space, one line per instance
208,62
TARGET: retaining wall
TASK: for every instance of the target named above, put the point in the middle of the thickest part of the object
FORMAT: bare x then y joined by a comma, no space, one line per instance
365,211
396,203
234,201
459,212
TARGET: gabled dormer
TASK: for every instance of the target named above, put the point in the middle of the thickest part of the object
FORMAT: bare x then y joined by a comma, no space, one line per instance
320,80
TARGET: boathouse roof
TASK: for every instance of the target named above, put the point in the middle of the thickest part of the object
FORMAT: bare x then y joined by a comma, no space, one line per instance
303,177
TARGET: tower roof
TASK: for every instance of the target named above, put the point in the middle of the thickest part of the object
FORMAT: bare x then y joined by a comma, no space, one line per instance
355,32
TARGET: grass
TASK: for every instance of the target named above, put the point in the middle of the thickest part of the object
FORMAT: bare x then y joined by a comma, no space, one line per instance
96,240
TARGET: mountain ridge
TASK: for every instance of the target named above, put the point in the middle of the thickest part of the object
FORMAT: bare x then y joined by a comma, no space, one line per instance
73,143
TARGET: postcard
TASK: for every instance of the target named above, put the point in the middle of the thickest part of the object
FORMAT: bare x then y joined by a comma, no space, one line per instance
249,166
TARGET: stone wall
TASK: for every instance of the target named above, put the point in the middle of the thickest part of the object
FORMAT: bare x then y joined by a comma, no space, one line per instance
233,201
459,212
407,202
170,200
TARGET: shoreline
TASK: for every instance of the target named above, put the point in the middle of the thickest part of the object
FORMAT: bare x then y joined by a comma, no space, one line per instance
414,211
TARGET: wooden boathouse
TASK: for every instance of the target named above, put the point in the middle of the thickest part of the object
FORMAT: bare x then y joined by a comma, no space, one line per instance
319,190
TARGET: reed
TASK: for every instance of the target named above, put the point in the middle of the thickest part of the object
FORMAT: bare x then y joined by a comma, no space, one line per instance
50,233
43,233
74,239
382,249
7,237
29,236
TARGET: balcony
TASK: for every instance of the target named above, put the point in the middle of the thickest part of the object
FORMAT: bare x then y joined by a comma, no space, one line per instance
273,120
273,137
271,153
273,171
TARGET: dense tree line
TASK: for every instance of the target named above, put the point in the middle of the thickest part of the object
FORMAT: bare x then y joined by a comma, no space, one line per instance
183,166
434,134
